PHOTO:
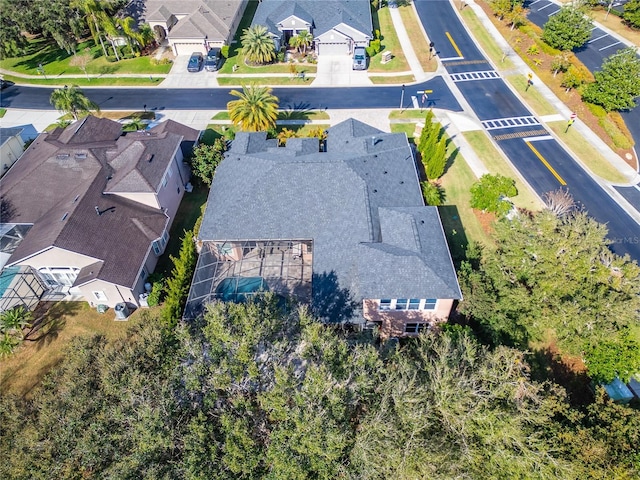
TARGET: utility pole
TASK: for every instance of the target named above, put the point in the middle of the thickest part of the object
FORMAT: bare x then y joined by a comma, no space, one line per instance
402,98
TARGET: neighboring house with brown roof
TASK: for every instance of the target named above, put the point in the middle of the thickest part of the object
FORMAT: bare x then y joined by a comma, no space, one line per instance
95,206
193,25
345,230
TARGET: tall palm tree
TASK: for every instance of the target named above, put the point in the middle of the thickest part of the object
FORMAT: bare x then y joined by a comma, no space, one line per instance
72,100
301,41
257,45
255,110
95,17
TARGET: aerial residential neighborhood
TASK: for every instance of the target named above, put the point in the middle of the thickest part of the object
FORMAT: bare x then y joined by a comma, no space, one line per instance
319,239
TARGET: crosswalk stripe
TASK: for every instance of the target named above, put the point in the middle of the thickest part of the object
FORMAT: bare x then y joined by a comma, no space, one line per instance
463,62
497,123
471,76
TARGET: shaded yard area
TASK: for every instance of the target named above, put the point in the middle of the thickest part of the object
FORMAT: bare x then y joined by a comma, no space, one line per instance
55,325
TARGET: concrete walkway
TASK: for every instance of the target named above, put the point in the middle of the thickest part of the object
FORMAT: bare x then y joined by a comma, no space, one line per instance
407,47
337,70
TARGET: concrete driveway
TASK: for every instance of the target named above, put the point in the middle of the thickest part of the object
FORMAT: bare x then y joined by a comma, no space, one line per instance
337,70
178,77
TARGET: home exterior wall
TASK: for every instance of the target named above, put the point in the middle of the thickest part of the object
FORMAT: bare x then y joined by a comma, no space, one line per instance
149,199
170,196
114,293
392,322
296,24
58,257
10,151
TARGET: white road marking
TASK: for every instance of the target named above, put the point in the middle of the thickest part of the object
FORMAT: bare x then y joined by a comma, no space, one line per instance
509,122
598,38
553,13
446,59
637,187
546,6
538,138
470,76
609,46
414,101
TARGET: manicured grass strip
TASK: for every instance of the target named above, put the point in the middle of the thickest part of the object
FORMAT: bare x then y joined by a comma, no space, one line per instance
589,156
407,128
418,40
409,113
485,40
402,79
84,82
390,43
493,160
457,182
2,112
237,81
303,115
532,96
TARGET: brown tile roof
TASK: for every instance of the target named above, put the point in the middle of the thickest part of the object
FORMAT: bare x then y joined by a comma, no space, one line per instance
59,183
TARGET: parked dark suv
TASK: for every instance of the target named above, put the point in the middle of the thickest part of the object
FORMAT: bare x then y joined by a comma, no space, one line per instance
212,62
195,62
359,58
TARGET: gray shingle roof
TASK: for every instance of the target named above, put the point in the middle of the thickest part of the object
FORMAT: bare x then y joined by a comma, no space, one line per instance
360,203
325,14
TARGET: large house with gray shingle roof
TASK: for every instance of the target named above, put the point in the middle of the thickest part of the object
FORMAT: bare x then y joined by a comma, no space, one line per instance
94,207
336,25
344,229
191,25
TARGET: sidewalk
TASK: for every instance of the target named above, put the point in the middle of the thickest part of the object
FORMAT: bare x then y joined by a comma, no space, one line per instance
407,47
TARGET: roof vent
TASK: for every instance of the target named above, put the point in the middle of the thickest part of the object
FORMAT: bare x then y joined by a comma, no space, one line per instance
98,210
76,199
62,156
81,156
64,217
150,158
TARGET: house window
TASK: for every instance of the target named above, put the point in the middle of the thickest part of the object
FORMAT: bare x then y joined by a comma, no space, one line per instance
156,248
408,304
164,181
170,172
143,273
100,296
59,276
415,327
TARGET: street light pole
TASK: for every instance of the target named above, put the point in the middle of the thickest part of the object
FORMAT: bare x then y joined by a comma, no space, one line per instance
402,98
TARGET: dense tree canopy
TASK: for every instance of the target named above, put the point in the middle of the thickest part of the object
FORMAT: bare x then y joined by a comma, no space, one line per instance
618,82
553,276
568,29
254,391
631,13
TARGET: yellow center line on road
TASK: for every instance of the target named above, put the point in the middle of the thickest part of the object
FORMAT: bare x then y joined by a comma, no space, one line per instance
546,164
454,44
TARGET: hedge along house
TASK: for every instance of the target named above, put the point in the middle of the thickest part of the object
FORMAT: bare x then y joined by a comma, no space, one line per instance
191,25
344,229
89,208
337,26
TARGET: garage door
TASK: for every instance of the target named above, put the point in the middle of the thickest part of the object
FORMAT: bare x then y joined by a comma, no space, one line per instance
188,48
333,48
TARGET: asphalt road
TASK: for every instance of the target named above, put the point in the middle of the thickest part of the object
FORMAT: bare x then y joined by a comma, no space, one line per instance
599,46
217,98
530,147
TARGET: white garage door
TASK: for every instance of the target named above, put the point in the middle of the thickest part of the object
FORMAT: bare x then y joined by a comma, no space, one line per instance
333,48
188,48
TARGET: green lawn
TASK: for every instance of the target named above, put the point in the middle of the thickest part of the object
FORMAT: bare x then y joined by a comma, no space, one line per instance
531,96
237,81
56,62
495,163
390,43
84,82
2,112
460,223
188,212
589,156
408,114
407,128
418,40
485,40
398,80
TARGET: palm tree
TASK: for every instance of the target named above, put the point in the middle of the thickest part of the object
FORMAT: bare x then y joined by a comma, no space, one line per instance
255,110
95,16
257,45
12,322
72,100
302,41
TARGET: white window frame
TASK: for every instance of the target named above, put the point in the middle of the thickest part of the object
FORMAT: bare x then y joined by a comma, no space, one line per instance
100,296
416,327
407,304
